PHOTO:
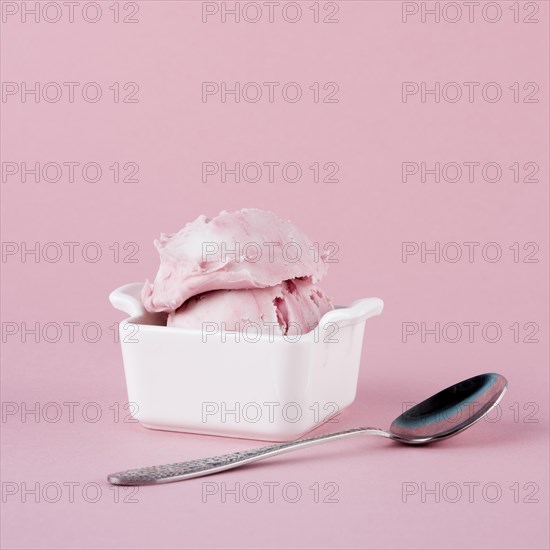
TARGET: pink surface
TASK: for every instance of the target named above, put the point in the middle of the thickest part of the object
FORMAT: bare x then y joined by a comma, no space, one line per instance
356,494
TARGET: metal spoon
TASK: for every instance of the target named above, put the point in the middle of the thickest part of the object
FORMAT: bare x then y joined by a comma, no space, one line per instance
441,416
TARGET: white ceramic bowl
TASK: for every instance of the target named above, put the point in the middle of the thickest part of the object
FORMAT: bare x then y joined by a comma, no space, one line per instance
257,386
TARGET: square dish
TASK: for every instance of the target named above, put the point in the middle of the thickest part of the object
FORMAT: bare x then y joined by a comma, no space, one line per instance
253,386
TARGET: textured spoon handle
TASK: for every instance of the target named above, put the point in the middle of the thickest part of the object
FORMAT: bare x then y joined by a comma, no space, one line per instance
179,471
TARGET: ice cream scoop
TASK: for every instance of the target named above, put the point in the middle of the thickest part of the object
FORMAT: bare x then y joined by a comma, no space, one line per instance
293,307
247,249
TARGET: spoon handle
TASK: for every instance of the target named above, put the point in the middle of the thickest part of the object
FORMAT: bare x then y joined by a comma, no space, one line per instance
180,471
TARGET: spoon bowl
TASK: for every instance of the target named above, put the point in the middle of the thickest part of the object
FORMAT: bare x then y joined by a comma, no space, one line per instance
450,411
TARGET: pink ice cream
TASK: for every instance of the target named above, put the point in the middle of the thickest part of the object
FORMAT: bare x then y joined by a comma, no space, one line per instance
240,267
293,307
247,249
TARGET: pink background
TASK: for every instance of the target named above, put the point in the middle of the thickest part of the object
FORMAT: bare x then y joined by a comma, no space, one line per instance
369,213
